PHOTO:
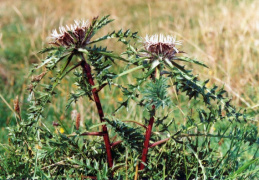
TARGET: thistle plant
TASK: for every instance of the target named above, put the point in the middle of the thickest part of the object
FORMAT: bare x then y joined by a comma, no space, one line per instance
205,138
73,49
76,41
73,39
159,49
161,61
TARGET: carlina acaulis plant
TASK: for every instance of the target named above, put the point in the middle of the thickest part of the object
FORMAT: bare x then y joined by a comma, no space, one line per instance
74,48
158,48
77,36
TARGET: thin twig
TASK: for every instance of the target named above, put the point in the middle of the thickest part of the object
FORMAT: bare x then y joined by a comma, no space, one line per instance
136,173
8,105
115,143
136,122
158,142
92,134
101,87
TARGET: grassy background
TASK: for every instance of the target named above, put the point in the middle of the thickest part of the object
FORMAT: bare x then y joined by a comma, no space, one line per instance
223,34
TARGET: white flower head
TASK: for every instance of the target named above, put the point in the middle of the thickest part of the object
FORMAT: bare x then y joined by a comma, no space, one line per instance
161,45
70,35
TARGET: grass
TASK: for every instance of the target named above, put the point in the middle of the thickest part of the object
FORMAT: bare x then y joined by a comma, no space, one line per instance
223,34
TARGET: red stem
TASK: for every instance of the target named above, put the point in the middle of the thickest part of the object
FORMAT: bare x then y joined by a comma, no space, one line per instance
115,143
101,87
146,142
156,75
159,142
87,70
92,134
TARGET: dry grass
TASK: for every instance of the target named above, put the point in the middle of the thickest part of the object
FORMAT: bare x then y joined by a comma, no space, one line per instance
224,34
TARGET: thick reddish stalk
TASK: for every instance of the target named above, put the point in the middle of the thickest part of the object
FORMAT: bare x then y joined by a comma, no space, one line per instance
149,128
87,70
146,142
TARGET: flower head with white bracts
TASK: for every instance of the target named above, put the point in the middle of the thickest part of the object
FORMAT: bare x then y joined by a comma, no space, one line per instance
160,45
71,35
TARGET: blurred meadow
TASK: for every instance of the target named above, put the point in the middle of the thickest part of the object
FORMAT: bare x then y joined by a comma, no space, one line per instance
223,34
